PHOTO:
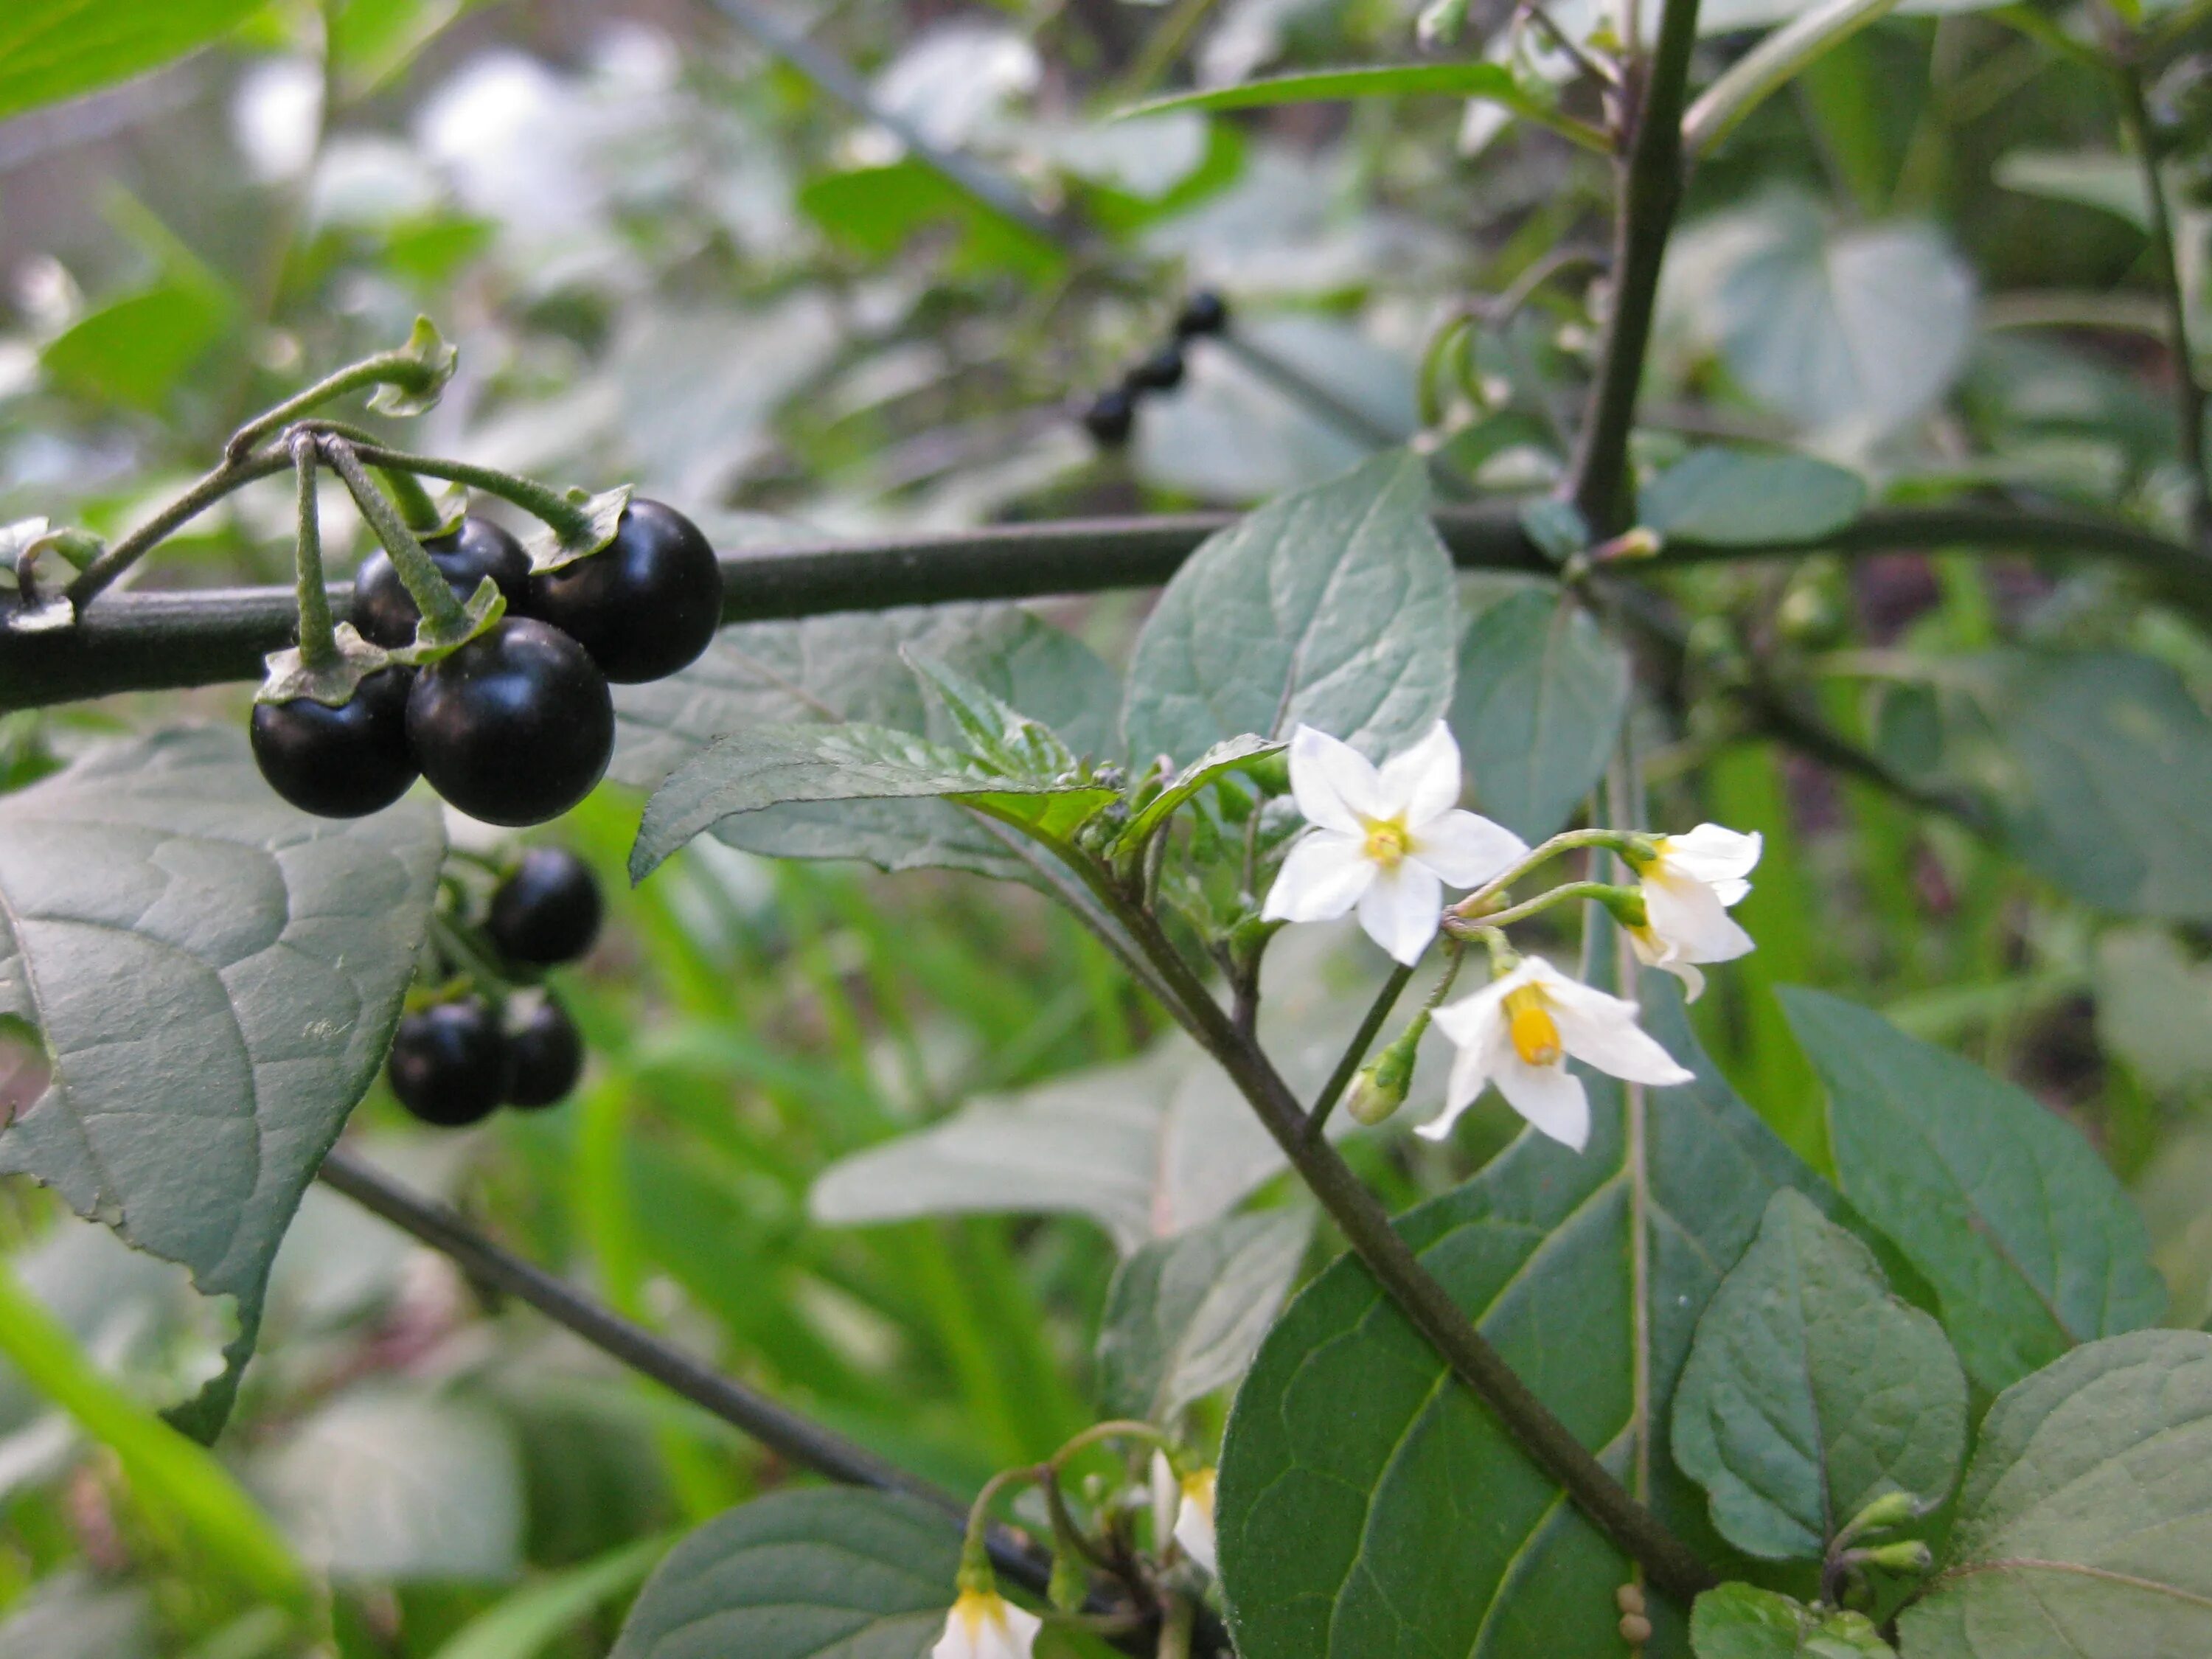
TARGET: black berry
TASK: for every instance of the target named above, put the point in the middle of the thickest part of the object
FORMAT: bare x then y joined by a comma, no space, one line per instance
451,1065
1203,312
1161,372
645,604
384,612
549,1057
342,762
515,727
1109,417
547,912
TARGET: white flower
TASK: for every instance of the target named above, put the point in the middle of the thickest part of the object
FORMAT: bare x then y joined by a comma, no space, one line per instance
1389,841
984,1625
1193,1525
1689,881
1518,1032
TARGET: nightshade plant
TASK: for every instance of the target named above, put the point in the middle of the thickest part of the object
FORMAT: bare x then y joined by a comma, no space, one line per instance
1650,1381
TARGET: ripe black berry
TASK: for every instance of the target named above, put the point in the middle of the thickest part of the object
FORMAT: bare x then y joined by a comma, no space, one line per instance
643,605
547,911
338,762
515,727
384,612
1203,312
549,1057
451,1065
1109,417
1161,372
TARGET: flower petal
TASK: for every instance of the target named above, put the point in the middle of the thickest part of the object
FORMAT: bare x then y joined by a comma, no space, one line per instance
1194,1526
1693,980
1425,781
1471,1021
1712,854
1402,910
1470,1076
1691,919
983,1625
1600,1030
1332,783
1465,849
1323,877
1550,1097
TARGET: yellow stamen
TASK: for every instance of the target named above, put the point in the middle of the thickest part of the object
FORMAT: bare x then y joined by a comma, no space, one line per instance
1388,841
1529,1023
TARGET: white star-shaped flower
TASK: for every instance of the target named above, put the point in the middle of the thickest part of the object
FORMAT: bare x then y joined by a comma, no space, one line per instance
1194,1524
1519,1031
1689,881
1388,839
984,1625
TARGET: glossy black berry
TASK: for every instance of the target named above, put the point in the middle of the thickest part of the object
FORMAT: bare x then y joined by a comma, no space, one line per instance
1203,312
384,612
643,605
342,762
1109,417
451,1065
548,1056
515,727
547,912
1161,372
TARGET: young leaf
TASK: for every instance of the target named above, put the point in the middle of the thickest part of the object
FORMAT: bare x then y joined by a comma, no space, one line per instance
1215,763
1370,1504
1740,1621
1730,497
768,765
1185,1314
1332,607
1810,1391
215,978
2006,1211
801,1574
1540,695
993,730
2085,1530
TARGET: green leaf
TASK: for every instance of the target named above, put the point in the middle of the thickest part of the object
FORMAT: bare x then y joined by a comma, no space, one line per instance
991,729
214,977
1231,755
2104,777
1739,1621
2030,1243
1185,1315
2084,1529
848,667
1491,82
1331,607
1811,1391
170,1474
135,350
55,49
2108,182
801,1574
1371,1504
1541,696
1733,498
526,1623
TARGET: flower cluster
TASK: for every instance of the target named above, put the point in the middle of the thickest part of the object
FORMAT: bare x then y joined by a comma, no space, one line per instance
1387,841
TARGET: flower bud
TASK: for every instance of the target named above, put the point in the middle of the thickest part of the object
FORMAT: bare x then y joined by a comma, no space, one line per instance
1383,1083
1271,773
1069,1587
1892,1508
1909,1556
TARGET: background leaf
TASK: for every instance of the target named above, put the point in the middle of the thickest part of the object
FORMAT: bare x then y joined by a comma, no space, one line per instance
1730,497
2026,1237
1369,1503
1741,1621
801,1574
1185,1314
215,978
1810,1391
2085,1530
1332,607
56,49
1540,695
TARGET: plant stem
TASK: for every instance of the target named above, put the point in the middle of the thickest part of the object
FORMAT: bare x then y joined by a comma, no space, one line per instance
1175,1629
386,367
415,507
1288,377
1356,1051
319,647
1473,907
211,488
541,501
443,615
1650,190
1599,890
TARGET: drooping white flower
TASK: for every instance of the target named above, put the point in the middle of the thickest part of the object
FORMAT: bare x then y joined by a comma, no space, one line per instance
984,1625
1193,1525
1387,839
1688,884
1519,1031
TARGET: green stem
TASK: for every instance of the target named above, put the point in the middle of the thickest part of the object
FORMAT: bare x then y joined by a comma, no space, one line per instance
1604,892
1355,1052
442,614
318,645
1475,906
541,501
210,487
419,512
1175,1629
385,369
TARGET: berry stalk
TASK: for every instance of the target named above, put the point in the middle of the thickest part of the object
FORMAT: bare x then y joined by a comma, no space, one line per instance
442,614
318,645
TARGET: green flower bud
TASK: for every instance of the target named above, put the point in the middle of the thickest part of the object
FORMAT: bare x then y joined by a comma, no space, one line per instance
1069,1587
1383,1083
1908,1556
1271,773
1892,1508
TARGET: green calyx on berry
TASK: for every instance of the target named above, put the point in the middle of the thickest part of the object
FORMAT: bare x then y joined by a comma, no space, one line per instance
589,525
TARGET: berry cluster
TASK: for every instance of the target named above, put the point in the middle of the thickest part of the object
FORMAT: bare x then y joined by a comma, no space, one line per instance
1113,412
473,1050
515,725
